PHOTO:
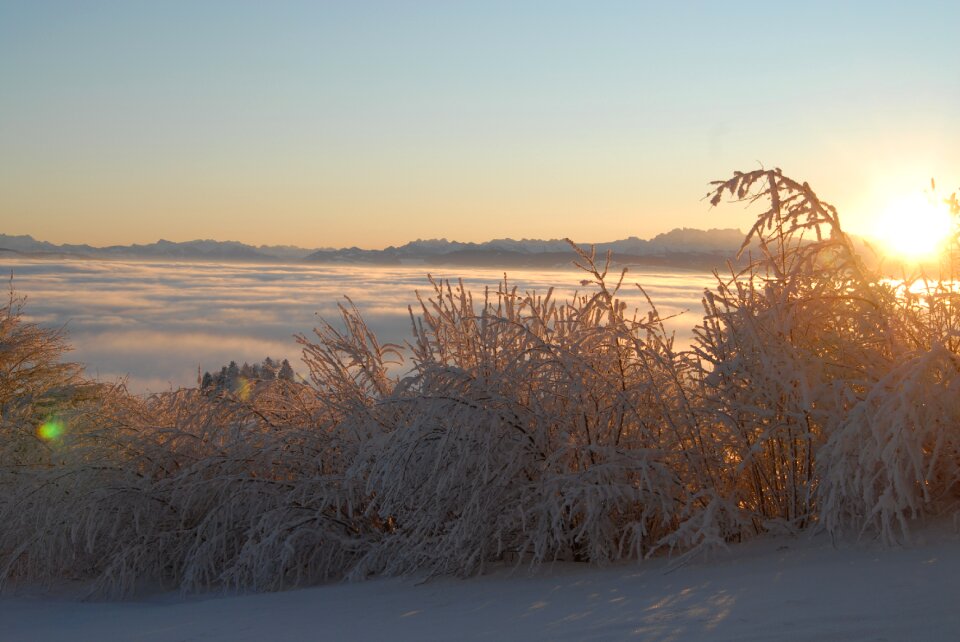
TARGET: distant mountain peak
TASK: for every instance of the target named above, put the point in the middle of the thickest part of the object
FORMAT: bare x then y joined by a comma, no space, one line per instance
679,245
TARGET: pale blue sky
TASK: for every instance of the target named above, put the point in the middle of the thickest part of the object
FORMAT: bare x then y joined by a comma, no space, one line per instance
362,123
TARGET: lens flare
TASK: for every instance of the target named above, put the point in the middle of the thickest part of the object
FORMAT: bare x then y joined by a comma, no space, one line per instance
243,388
51,430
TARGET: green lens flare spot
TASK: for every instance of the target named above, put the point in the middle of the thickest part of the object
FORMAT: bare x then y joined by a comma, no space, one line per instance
50,430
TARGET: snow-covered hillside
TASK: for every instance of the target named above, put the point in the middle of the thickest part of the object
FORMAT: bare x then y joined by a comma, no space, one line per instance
778,588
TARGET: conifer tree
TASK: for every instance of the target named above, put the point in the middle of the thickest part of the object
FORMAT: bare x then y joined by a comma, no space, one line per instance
286,371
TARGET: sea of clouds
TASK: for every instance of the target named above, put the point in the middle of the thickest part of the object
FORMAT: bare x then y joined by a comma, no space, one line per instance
156,324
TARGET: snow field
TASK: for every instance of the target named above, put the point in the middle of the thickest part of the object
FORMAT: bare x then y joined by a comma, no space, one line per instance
774,588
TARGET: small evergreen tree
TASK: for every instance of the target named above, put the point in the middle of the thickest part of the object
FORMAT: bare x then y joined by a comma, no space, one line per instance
286,371
233,373
268,370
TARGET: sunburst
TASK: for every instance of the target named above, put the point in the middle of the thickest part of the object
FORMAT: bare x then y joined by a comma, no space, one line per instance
913,228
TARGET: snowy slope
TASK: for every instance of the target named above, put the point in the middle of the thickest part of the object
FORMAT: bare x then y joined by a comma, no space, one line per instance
776,589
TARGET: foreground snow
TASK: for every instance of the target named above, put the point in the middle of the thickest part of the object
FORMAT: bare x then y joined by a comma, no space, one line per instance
780,588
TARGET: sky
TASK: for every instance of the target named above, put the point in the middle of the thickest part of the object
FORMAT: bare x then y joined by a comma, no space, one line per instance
332,124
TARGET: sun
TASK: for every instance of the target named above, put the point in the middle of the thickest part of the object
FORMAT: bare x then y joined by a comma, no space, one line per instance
913,228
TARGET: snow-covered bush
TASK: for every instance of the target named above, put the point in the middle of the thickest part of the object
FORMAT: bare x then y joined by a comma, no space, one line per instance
895,455
523,428
533,429
37,390
188,491
784,342
833,384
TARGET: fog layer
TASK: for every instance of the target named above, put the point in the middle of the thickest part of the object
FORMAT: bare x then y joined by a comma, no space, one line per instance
156,324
